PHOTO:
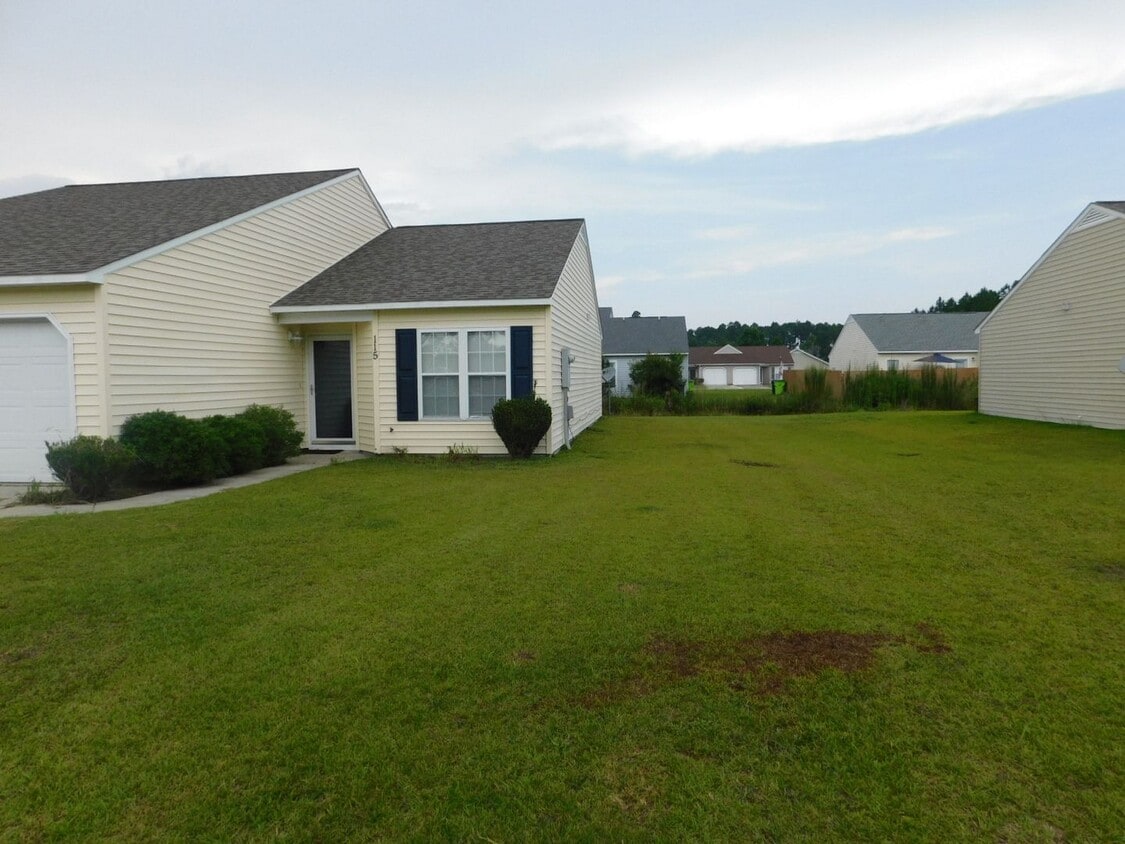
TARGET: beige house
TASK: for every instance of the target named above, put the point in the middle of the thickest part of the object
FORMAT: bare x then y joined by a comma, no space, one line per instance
204,296
906,341
806,360
730,366
1054,348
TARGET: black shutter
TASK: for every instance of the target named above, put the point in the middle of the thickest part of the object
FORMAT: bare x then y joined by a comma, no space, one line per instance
521,360
406,374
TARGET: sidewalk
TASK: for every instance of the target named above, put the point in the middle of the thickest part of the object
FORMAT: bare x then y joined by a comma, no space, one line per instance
301,463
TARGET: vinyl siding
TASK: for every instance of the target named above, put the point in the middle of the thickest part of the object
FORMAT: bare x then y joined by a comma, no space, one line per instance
575,325
364,396
853,350
1052,351
190,329
75,308
435,437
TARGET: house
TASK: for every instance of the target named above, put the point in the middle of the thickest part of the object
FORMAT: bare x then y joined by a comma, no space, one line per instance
203,296
626,340
1054,348
906,341
806,360
738,366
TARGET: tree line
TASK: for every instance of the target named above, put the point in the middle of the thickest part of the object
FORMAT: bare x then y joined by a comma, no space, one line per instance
817,338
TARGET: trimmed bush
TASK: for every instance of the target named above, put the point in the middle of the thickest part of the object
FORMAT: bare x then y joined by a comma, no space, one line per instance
521,423
244,444
91,467
172,450
282,439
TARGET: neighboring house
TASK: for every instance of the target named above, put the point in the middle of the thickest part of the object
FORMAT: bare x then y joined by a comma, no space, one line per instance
626,340
906,341
805,360
204,296
1054,348
738,366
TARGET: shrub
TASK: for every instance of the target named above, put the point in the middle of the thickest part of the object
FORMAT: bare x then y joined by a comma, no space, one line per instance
283,440
91,467
658,375
521,423
172,450
244,444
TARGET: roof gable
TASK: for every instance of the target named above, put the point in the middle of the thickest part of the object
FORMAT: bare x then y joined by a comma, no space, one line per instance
948,332
518,261
641,335
82,228
741,355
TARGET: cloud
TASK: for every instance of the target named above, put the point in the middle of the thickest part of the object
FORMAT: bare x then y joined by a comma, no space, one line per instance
860,83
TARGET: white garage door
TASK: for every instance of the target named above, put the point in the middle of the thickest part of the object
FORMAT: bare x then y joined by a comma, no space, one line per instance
36,396
713,376
746,376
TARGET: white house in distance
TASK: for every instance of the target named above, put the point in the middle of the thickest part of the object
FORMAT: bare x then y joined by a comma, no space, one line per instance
806,360
906,341
1054,348
626,340
739,366
203,296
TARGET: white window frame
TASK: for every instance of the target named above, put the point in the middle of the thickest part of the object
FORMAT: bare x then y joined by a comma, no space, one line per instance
463,370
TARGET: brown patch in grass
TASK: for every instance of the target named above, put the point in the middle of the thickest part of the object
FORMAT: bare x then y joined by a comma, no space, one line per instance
630,588
763,665
1111,571
758,464
12,657
523,657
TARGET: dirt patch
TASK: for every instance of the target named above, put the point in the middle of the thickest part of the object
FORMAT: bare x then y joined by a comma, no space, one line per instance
630,588
757,464
909,454
523,657
1111,571
762,665
12,657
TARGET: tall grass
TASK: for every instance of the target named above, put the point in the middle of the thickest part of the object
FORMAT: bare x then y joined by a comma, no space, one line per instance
932,389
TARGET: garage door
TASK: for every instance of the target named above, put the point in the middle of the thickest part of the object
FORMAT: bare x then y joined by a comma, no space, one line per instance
746,376
36,396
713,376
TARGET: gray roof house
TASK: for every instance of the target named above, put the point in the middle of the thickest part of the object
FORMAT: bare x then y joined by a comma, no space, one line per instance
906,341
739,366
203,296
626,340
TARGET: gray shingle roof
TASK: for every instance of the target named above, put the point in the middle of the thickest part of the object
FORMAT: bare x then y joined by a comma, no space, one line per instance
79,228
641,335
451,263
921,332
747,356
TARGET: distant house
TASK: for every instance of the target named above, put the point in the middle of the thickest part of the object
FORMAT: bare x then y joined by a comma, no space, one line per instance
806,360
906,341
626,340
203,296
738,366
1054,348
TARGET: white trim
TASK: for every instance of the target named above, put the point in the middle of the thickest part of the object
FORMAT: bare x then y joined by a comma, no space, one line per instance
50,278
1074,226
324,317
371,195
98,274
72,397
409,306
328,442
463,373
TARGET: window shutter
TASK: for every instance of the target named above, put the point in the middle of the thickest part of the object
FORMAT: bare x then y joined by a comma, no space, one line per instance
521,360
406,374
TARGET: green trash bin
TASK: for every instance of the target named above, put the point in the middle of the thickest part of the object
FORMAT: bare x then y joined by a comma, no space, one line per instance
778,386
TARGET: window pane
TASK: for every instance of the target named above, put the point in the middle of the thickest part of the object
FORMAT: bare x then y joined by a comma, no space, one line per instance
488,351
439,352
485,391
440,396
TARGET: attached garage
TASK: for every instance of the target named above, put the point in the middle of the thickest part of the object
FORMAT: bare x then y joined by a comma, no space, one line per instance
746,376
713,376
36,395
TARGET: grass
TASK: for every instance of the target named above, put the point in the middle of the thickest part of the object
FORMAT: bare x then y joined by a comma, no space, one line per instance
852,627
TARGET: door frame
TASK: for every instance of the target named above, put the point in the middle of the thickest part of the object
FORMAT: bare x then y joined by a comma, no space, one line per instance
328,442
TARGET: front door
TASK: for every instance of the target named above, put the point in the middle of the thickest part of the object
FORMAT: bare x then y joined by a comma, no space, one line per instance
330,390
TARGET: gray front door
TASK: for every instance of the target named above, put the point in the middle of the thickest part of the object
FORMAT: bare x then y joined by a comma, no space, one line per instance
331,389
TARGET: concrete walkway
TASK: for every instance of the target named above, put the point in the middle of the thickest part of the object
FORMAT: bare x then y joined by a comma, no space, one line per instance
11,492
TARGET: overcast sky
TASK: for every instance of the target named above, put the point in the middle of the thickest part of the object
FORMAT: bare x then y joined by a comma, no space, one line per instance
734,161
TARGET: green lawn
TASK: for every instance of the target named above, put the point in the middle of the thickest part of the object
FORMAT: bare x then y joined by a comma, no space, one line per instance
864,626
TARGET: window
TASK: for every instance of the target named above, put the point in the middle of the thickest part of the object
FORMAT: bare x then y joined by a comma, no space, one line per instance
892,365
462,373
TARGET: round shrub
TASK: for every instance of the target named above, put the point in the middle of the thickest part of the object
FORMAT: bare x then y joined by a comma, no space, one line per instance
244,444
172,450
91,467
521,423
277,425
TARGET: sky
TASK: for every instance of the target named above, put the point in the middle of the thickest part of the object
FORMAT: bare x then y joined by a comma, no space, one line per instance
750,161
